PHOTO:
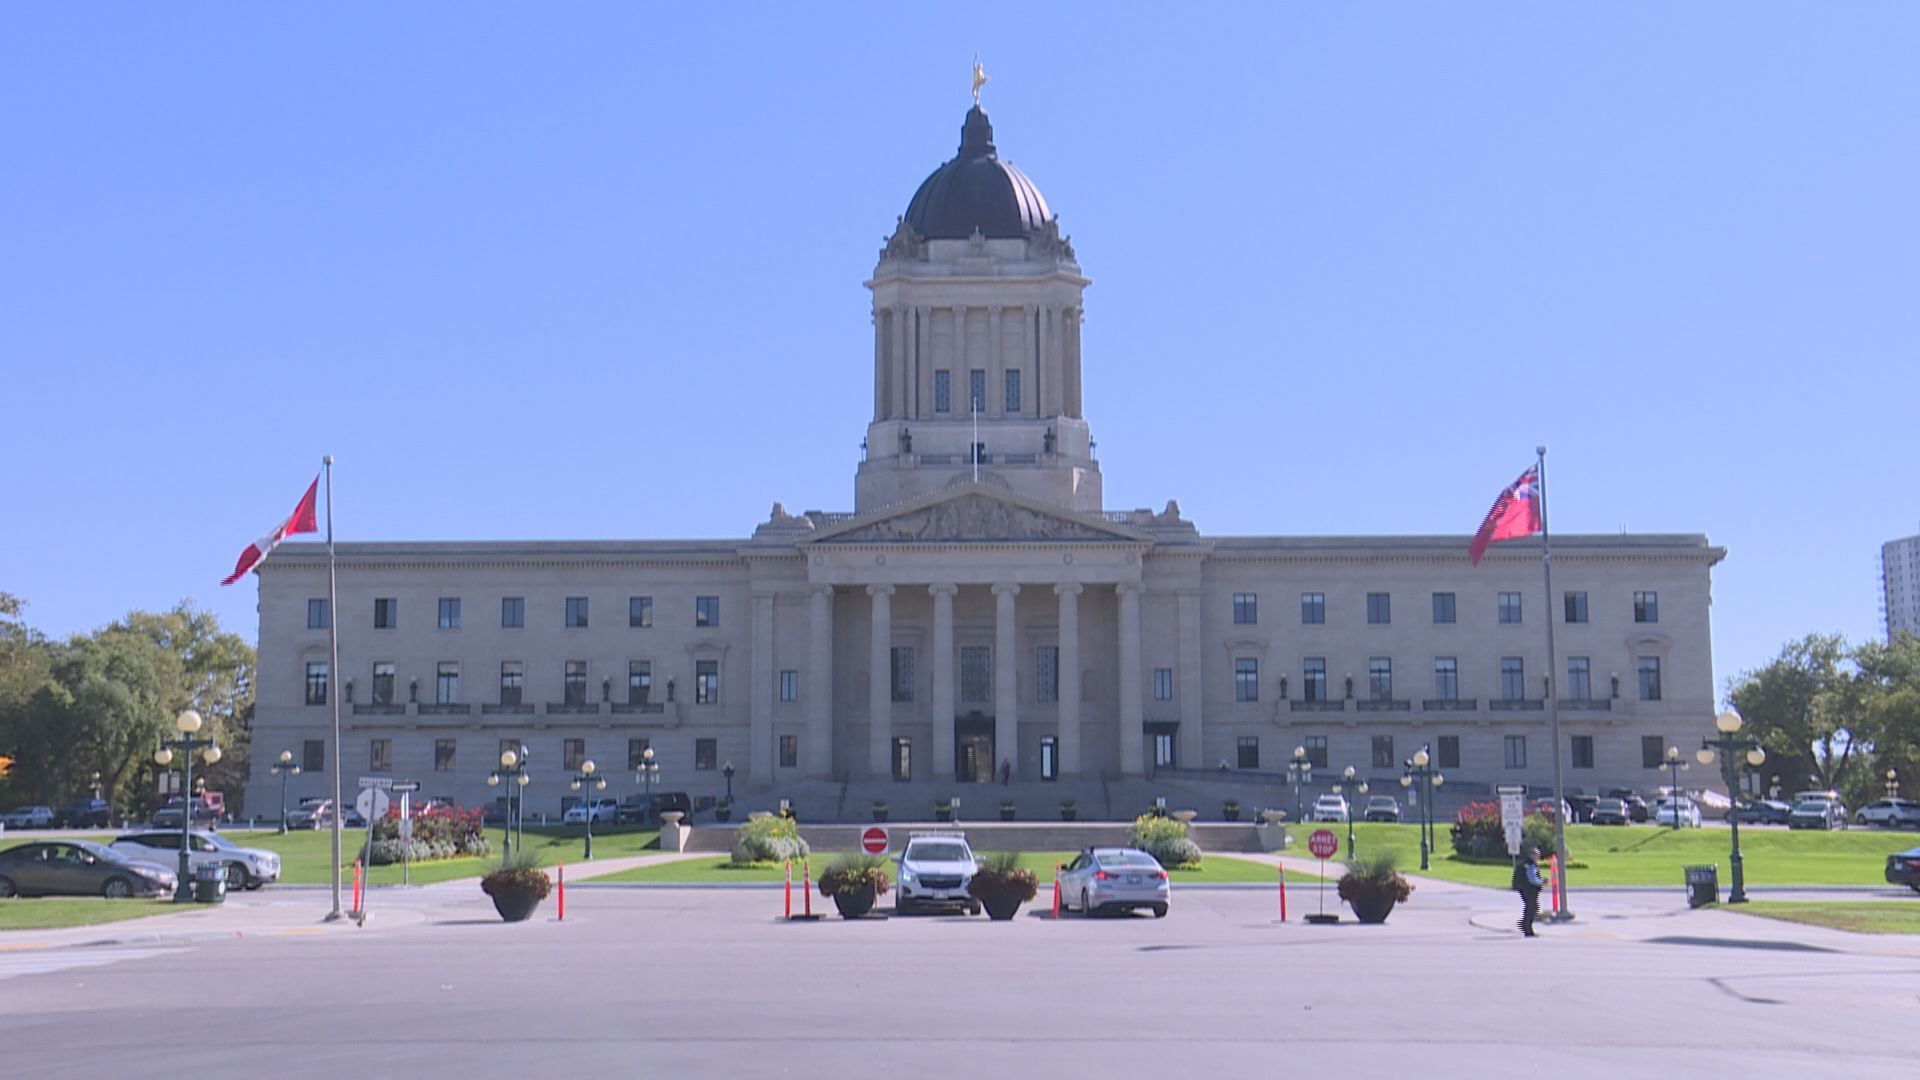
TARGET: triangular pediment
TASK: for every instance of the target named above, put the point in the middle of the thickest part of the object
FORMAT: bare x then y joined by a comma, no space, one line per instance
975,514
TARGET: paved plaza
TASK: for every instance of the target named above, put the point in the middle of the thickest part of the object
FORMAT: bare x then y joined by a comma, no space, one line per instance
660,981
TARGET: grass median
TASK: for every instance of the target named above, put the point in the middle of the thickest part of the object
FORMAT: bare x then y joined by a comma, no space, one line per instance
51,913
1215,869
1861,917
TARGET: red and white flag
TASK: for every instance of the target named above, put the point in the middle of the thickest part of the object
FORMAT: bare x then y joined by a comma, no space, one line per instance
302,520
1515,513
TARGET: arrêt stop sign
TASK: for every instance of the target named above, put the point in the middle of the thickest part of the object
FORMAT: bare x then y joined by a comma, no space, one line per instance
873,840
1323,843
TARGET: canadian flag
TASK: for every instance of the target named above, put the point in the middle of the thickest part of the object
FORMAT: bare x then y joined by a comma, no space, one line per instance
302,520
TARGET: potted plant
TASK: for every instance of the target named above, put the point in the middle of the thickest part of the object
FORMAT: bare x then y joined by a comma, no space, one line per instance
1006,809
943,809
1068,811
853,881
879,810
1001,885
1371,886
1230,810
723,810
517,885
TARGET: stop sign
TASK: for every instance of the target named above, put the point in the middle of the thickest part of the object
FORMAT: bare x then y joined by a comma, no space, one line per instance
873,841
1323,843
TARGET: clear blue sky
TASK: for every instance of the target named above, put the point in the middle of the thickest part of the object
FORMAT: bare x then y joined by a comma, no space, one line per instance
542,271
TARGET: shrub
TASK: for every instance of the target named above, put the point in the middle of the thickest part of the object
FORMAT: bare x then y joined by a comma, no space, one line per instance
1369,875
852,873
1477,833
517,874
1165,838
770,839
1001,874
388,852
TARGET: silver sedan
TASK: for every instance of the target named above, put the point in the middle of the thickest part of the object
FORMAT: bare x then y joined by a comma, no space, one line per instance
1114,879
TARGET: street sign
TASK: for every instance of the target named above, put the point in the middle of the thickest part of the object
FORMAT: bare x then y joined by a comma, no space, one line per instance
400,787
1323,843
873,840
372,803
384,783
1512,813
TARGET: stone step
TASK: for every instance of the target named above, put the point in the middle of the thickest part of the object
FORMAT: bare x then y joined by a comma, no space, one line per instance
984,836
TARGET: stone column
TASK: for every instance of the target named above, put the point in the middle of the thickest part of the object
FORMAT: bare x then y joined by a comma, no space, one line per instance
819,687
880,684
1132,728
760,719
996,362
1006,682
1069,684
1187,682
882,332
943,683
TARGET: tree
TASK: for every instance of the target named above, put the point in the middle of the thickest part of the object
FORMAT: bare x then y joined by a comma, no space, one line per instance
1804,711
218,672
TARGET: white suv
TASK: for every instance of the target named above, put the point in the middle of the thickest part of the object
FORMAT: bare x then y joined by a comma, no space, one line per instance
935,868
1329,808
606,811
247,868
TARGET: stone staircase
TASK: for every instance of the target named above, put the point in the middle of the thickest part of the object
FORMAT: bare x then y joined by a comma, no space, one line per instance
984,836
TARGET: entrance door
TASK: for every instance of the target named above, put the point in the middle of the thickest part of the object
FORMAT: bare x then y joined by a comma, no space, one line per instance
975,758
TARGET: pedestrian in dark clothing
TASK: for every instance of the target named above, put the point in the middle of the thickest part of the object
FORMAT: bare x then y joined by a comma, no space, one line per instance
1006,773
1528,883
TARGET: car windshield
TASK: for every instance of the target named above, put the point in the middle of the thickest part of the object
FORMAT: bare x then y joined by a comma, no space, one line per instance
1380,800
1814,805
1125,858
943,851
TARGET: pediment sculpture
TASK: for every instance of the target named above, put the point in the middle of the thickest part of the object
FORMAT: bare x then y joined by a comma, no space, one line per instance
974,518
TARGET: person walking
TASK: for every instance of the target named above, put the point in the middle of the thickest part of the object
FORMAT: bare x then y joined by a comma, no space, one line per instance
1006,773
1528,883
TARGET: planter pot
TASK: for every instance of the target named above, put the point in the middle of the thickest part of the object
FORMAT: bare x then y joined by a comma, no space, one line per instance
879,813
1001,908
1230,813
1373,908
1006,813
722,813
515,907
854,904
943,813
1068,813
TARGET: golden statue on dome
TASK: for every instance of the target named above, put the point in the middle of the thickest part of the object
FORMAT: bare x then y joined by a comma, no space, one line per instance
979,79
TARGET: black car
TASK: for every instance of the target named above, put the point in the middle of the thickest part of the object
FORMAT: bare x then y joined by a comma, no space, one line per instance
1581,807
1761,812
1637,809
1903,868
84,814
79,868
638,809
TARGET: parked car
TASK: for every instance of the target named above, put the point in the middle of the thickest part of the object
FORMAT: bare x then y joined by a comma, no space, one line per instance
314,812
1582,806
1381,808
1610,812
1115,879
1545,808
29,817
1818,813
1890,813
84,814
1903,868
79,868
1637,809
640,809
1329,808
1666,809
605,810
206,815
1761,812
934,870
246,868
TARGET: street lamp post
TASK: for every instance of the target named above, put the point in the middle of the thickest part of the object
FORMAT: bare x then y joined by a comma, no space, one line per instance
1893,783
1674,765
1419,770
1347,784
186,724
591,783
649,772
512,772
1730,748
727,771
284,768
1300,771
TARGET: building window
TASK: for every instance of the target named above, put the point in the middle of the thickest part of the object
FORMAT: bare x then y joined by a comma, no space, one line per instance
449,613
1646,607
1509,607
383,683
942,391
637,753
1380,678
575,686
317,683
789,751
976,673
380,755
1649,669
1313,608
1449,751
1163,684
512,677
639,681
1513,678
1248,747
789,685
313,755
706,611
706,682
513,612
1049,757
1383,751
1516,747
1246,679
902,667
1442,607
573,753
576,613
1246,608
1576,604
1046,673
1163,750
1579,678
443,755
317,613
446,683
1583,751
1313,679
386,613
1653,751
977,389
1012,404
705,753
977,453
902,758
1379,608
1316,750
640,611
1446,678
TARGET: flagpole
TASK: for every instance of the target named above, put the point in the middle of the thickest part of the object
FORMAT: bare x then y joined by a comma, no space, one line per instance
333,646
1562,912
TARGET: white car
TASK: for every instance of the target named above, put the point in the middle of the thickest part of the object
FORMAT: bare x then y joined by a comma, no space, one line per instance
1329,808
1890,813
247,868
606,811
29,817
934,871
1115,879
1666,809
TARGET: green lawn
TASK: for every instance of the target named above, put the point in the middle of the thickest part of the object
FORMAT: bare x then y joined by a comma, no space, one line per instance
51,913
1863,917
1215,869
305,853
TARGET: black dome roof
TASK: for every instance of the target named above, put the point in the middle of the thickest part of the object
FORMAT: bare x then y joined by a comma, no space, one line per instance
976,190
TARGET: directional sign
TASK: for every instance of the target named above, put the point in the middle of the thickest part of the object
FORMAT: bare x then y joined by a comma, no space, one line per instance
1512,813
384,783
873,840
372,803
1323,843
400,787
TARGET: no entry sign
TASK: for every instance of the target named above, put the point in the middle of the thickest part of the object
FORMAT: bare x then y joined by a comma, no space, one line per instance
873,840
1323,843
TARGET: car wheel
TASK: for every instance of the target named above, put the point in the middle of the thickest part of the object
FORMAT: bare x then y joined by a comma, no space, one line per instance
6,888
1159,911
973,908
117,889
236,877
1086,907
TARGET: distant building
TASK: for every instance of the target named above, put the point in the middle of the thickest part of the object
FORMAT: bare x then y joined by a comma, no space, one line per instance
1900,578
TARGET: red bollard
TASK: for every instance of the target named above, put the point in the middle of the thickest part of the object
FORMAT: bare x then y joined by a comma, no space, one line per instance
806,886
789,909
1553,881
1283,894
1056,890
563,892
357,884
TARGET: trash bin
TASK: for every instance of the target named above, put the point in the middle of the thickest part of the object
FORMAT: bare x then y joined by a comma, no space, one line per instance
1703,885
209,883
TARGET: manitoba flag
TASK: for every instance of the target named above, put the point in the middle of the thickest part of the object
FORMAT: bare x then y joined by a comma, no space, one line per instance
1516,512
302,520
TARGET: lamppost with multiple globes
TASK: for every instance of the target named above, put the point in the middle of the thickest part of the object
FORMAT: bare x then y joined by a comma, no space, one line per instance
1345,785
1674,765
648,773
1419,769
1300,772
727,771
283,768
187,723
513,773
1730,748
1893,783
585,779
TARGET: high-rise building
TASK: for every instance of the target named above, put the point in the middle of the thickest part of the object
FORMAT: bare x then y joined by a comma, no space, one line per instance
1900,581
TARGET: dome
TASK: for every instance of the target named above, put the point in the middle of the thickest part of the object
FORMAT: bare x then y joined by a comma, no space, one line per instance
976,190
